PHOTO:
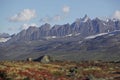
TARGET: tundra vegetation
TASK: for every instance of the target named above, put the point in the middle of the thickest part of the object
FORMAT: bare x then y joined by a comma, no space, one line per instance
59,70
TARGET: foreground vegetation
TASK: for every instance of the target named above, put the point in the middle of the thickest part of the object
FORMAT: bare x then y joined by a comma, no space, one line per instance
29,70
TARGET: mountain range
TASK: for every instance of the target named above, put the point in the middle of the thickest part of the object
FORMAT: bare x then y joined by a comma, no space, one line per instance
84,39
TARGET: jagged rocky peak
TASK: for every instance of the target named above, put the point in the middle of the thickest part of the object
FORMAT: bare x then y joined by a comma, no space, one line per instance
46,26
67,24
97,19
85,18
56,27
31,29
114,19
78,20
4,35
85,26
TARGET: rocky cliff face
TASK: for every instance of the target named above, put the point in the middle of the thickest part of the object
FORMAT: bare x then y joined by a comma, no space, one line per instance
4,35
84,26
84,39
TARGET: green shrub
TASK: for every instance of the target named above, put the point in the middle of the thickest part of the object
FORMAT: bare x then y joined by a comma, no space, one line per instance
3,75
57,73
27,78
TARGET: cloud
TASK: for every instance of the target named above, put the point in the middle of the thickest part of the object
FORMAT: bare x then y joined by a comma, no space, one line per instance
66,9
26,26
24,15
51,19
57,17
116,15
12,28
46,19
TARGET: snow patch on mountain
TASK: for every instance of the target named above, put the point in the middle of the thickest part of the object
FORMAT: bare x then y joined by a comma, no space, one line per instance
77,34
111,34
4,39
74,34
68,35
50,37
94,36
85,19
104,23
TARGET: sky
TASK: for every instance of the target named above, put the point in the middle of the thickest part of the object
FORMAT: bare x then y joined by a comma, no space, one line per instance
16,15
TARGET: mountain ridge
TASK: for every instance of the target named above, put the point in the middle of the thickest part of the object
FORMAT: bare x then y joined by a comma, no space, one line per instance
84,27
84,39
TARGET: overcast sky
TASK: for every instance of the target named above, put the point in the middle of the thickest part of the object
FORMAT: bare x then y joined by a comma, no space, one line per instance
16,15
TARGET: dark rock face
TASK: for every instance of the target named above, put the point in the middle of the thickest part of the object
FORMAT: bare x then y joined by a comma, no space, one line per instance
41,32
44,30
4,35
44,59
85,26
25,35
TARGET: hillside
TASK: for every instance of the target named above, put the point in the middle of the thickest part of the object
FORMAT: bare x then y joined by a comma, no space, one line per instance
84,39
